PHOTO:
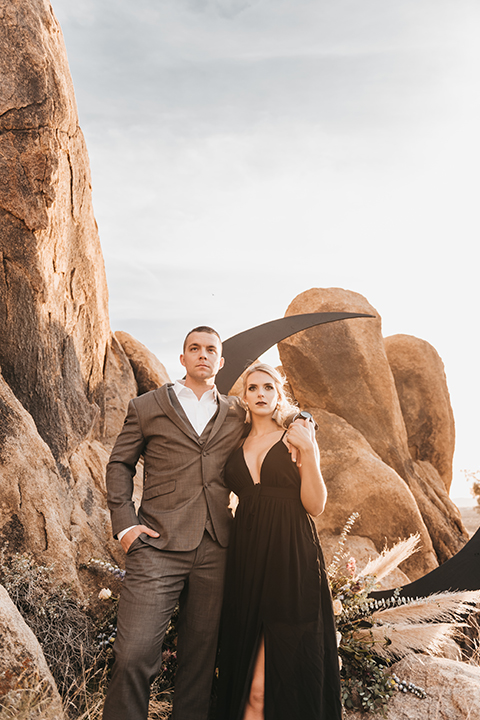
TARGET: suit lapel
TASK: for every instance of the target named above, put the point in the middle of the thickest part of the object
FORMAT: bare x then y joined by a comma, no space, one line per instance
223,408
162,396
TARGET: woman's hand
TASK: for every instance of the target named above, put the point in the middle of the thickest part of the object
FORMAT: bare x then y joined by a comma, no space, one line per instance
300,439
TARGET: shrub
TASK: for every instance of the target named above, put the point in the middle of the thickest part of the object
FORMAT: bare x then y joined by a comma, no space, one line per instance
372,634
59,621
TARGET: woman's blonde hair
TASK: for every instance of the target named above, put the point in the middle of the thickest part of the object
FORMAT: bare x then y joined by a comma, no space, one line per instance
285,407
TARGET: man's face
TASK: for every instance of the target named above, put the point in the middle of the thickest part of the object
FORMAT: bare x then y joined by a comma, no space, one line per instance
202,357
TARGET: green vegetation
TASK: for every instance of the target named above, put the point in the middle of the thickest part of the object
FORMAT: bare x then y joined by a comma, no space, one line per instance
373,634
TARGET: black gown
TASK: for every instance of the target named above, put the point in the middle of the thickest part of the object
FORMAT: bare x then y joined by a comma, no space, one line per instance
276,586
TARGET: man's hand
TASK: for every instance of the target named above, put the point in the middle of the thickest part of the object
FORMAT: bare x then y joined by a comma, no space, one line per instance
130,536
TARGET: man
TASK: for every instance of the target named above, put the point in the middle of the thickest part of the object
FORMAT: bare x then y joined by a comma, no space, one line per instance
176,544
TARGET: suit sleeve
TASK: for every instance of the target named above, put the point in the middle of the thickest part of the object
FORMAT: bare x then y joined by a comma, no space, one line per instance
121,470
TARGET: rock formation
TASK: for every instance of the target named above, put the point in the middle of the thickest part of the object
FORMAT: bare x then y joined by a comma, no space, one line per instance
53,289
425,402
359,481
149,371
343,369
25,679
453,691
67,380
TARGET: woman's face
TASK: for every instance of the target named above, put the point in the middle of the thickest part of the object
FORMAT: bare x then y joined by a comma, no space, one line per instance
261,394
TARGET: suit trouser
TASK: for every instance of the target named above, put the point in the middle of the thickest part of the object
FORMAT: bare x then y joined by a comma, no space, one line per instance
154,582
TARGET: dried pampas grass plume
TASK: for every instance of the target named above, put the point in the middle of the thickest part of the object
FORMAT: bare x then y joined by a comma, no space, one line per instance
397,641
438,607
389,560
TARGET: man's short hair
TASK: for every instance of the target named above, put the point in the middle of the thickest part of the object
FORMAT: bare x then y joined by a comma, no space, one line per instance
204,329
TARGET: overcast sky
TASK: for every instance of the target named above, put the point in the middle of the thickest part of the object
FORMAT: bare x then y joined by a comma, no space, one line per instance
243,151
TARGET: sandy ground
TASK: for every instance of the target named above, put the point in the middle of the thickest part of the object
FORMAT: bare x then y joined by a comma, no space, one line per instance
471,519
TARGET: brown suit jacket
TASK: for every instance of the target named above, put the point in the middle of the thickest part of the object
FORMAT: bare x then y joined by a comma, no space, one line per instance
183,472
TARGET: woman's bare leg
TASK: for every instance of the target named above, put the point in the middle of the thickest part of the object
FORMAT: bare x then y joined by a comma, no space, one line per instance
256,698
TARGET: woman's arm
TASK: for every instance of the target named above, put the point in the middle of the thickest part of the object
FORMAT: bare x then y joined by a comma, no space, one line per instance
313,493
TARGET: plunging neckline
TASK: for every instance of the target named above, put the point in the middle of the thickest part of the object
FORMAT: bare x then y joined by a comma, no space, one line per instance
263,461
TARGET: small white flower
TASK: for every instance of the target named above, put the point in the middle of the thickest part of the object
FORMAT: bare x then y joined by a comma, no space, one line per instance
105,594
339,662
337,607
339,638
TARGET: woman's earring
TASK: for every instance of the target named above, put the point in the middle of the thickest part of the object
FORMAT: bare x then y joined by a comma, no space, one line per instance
248,419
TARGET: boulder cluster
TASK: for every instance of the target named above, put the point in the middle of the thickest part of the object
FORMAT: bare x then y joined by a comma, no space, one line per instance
386,429
65,379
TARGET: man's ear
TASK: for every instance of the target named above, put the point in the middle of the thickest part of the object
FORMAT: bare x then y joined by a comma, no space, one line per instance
222,362
182,359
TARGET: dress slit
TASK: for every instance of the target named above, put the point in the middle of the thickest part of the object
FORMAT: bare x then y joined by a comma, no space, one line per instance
251,668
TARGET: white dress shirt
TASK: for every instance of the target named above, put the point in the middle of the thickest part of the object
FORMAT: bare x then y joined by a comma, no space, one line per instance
199,413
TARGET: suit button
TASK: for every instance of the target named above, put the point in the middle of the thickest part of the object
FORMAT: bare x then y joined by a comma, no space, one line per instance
205,454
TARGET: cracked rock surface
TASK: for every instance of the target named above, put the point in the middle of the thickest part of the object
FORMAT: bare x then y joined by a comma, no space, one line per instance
65,379
381,456
452,688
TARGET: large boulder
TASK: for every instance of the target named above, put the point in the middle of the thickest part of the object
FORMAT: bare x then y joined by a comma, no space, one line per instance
60,518
36,498
148,370
359,481
66,380
441,515
452,687
27,688
343,368
120,387
53,293
425,401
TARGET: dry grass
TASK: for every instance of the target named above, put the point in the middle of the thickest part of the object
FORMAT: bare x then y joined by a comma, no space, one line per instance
60,623
31,698
86,699
471,640
159,710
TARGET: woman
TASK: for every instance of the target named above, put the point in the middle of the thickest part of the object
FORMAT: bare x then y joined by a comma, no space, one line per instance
278,653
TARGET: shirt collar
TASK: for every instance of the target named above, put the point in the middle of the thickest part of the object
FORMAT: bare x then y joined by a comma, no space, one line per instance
180,389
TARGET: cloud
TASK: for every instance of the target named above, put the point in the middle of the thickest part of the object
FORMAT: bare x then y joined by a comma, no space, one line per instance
244,151
222,8
344,67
